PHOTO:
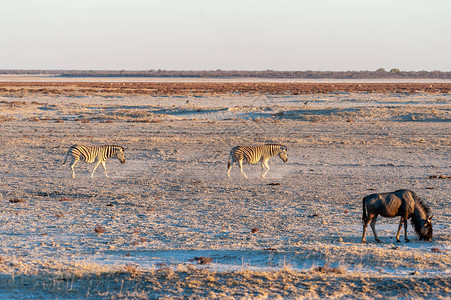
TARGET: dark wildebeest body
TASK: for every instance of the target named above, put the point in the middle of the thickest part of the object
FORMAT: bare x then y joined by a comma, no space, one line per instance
402,203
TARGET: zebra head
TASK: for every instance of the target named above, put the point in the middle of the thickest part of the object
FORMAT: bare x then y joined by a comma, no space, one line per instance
283,153
120,154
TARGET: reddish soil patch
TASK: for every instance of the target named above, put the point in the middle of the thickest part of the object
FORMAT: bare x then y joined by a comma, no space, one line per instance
211,88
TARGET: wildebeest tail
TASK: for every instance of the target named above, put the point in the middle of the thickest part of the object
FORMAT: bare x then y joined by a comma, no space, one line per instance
364,209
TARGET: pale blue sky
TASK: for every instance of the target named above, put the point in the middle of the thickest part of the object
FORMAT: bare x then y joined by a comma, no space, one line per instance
225,34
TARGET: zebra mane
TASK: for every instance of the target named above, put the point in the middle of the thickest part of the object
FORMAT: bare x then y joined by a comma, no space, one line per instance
279,145
114,146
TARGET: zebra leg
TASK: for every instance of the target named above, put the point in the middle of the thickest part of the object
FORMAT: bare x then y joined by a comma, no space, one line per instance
72,167
265,163
230,165
97,164
241,168
104,167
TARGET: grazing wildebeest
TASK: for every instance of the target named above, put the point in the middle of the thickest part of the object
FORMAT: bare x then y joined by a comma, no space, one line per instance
403,203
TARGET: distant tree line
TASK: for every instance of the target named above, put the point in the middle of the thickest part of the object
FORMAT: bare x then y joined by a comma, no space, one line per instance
379,73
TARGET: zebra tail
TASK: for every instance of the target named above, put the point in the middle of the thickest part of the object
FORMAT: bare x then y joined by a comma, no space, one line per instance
230,161
67,154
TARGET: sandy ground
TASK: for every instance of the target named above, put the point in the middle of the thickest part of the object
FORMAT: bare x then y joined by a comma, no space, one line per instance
294,234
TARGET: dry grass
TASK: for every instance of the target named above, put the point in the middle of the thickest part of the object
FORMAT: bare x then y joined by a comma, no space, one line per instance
47,277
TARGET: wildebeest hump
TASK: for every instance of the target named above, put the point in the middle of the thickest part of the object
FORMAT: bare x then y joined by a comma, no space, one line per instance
389,205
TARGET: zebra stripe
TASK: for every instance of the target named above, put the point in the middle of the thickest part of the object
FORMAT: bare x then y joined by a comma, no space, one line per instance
91,154
255,154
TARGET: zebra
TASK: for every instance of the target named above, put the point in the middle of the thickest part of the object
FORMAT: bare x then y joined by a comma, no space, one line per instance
91,154
255,154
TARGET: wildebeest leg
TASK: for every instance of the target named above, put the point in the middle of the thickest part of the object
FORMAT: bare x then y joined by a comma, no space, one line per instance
241,168
405,231
365,225
373,226
399,229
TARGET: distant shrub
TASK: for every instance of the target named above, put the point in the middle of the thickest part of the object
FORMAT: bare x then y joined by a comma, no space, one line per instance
17,200
99,229
6,119
202,260
66,199
328,269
